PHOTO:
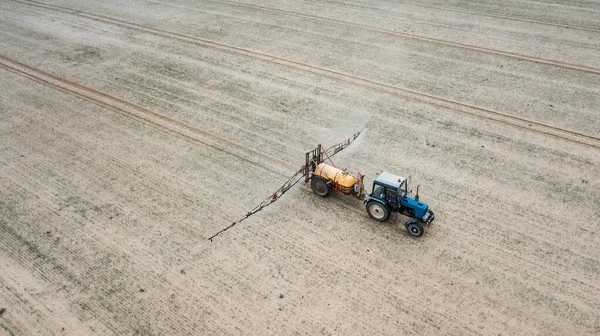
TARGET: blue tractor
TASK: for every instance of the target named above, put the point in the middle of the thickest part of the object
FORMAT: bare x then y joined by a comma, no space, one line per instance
390,194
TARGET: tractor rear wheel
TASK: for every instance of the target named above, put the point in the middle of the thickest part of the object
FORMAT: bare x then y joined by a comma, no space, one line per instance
414,228
377,211
319,187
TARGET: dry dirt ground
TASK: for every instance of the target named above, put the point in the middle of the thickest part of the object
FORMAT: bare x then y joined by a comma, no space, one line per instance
132,131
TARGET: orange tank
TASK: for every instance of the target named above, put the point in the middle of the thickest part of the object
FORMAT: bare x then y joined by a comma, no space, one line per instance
341,180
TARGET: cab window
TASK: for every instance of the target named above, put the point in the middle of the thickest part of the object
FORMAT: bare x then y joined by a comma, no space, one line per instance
402,190
378,191
391,194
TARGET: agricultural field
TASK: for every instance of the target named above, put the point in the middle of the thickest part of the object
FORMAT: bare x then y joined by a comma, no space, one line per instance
130,132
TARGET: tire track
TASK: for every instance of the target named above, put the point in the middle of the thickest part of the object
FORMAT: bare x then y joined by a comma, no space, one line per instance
114,167
505,17
147,110
157,94
436,101
143,119
133,116
515,55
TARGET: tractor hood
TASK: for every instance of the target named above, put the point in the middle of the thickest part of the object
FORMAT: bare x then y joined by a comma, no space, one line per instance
420,207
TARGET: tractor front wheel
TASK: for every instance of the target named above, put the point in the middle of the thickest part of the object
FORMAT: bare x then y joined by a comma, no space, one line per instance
414,228
377,211
319,187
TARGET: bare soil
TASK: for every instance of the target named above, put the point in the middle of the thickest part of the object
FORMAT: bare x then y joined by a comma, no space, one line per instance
131,132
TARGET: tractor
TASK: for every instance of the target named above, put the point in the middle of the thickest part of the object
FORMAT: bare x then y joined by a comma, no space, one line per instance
389,194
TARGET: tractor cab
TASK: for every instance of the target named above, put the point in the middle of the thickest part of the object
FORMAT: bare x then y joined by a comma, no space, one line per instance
389,189
390,193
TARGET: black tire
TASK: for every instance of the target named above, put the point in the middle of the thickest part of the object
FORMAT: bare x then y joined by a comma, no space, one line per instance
319,187
377,211
414,228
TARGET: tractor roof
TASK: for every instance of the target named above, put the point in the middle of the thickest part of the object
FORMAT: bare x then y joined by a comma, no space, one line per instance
390,179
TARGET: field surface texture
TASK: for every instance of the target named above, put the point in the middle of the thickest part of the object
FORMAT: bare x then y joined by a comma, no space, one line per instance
131,131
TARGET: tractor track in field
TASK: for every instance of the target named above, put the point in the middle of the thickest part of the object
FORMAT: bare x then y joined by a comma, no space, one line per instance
509,54
96,97
436,101
511,18
75,89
